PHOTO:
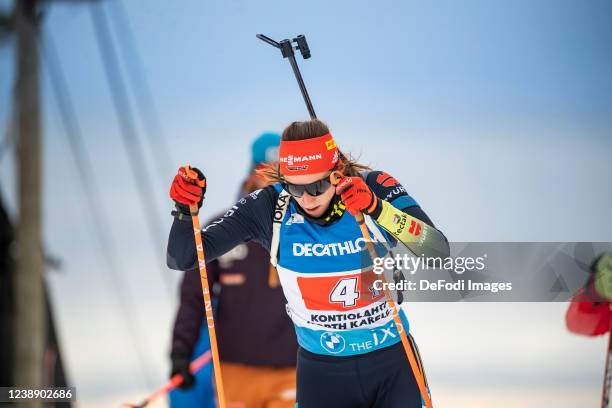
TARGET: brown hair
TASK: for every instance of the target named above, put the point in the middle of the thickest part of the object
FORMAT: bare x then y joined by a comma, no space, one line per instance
310,129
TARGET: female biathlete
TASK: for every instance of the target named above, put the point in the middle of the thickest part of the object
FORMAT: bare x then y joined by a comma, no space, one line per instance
350,351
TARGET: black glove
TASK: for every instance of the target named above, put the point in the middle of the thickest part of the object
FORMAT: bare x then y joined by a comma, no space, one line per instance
180,365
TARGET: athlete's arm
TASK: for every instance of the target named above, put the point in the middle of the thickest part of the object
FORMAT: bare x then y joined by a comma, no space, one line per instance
250,219
400,215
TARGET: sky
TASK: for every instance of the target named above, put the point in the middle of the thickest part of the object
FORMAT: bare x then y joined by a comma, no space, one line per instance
495,115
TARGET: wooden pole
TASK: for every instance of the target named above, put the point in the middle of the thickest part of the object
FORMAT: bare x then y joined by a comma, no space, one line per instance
30,323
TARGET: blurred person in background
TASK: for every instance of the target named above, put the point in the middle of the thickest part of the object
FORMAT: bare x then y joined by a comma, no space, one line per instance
257,343
589,312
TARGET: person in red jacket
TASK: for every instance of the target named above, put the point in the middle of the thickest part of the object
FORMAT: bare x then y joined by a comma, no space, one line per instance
589,311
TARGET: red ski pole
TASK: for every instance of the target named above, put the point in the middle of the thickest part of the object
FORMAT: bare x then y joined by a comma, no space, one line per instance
605,393
193,209
174,382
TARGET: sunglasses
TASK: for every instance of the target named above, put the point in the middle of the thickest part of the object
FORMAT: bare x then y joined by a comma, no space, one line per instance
314,189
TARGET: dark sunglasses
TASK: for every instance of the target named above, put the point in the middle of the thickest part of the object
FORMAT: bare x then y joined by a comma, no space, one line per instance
314,189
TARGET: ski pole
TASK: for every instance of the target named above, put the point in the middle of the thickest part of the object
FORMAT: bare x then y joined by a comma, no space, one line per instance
193,209
605,394
418,375
174,382
286,48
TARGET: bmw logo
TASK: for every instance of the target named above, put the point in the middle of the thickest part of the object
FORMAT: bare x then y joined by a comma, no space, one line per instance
333,342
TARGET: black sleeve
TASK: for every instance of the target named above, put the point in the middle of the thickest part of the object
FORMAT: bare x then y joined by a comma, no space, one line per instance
189,317
191,312
250,219
389,189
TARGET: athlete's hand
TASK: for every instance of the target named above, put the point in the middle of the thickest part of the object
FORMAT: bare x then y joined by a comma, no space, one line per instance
188,188
603,276
180,365
356,195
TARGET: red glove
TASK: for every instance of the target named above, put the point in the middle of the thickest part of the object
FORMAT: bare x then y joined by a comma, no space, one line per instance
356,195
188,187
587,316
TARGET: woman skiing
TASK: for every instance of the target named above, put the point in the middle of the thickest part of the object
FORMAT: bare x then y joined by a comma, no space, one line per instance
350,352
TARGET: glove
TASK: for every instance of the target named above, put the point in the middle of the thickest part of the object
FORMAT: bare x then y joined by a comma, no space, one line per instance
188,188
180,365
357,196
602,268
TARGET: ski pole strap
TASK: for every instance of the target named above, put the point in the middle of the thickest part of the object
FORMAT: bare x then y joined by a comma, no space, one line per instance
280,209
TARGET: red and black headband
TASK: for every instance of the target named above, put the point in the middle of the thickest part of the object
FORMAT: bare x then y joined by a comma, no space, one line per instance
307,156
